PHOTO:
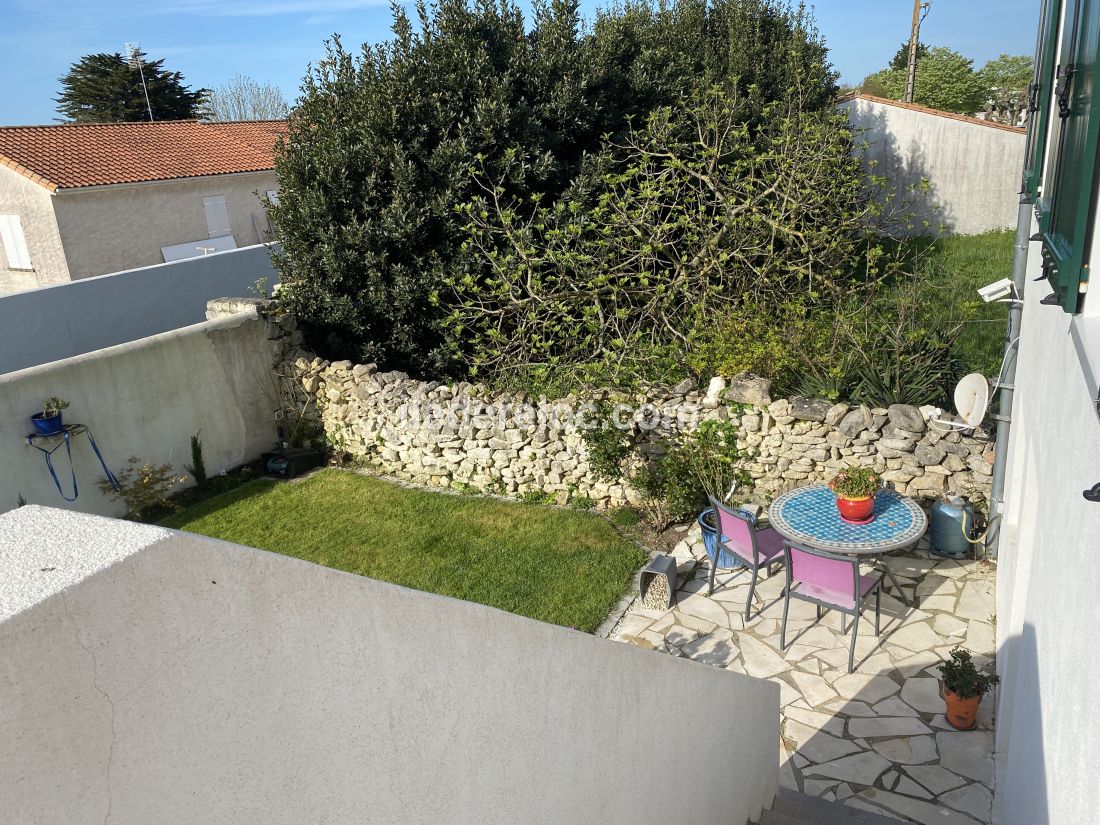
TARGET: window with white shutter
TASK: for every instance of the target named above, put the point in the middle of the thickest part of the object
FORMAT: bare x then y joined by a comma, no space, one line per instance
15,243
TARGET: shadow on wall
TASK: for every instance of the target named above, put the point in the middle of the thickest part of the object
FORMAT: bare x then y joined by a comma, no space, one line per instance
913,205
1023,799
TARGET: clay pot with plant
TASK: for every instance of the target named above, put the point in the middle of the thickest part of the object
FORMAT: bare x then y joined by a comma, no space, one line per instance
963,688
855,490
48,422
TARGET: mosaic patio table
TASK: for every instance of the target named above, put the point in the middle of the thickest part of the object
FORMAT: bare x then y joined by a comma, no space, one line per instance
809,516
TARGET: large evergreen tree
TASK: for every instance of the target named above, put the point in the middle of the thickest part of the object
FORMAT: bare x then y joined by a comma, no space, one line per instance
105,88
383,145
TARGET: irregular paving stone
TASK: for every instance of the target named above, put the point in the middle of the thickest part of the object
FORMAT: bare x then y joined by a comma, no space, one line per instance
866,688
924,812
760,660
715,649
861,768
915,637
893,707
972,799
887,726
908,750
679,635
908,787
632,626
980,638
977,601
947,625
968,753
833,725
923,694
702,608
814,688
816,746
934,777
849,708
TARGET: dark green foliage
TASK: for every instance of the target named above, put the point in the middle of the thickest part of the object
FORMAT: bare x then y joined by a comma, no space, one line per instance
900,60
382,144
962,678
608,446
856,482
197,467
102,88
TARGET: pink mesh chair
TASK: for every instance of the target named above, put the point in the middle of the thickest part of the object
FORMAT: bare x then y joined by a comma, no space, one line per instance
832,582
754,548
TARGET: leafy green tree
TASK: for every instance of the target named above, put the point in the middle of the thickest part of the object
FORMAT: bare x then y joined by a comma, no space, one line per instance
103,88
383,144
1008,79
901,59
691,218
946,80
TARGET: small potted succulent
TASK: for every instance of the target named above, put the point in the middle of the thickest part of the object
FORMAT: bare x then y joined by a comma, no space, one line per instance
963,688
855,490
48,422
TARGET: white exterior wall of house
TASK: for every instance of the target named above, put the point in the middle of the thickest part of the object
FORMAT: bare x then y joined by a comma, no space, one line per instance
34,205
108,229
973,169
157,677
1048,584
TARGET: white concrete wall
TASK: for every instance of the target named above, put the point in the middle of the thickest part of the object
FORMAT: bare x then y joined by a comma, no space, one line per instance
193,681
1048,733
145,399
34,205
112,228
973,169
68,319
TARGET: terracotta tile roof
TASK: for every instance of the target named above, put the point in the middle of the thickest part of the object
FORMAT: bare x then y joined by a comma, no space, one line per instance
915,107
72,155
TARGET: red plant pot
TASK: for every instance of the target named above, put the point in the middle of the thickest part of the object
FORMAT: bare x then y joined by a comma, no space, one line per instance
961,713
856,509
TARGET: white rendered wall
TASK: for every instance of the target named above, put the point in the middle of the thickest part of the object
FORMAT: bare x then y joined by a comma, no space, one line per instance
43,325
193,681
144,399
34,205
1048,588
973,169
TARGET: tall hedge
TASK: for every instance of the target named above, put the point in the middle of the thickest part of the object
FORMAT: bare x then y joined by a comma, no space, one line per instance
386,146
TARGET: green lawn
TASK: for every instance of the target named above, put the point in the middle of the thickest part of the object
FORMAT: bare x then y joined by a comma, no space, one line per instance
960,265
561,566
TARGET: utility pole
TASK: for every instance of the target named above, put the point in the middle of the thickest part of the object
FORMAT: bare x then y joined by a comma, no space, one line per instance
133,56
920,11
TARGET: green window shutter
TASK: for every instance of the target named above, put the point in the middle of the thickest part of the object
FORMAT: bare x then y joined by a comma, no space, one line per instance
1042,88
1067,224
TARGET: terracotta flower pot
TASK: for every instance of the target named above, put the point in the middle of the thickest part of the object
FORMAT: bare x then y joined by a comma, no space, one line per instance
962,714
856,509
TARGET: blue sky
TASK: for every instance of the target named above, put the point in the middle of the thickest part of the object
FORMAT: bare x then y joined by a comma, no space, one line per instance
273,40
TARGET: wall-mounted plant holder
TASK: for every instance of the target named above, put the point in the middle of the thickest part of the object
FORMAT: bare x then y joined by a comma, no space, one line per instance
658,583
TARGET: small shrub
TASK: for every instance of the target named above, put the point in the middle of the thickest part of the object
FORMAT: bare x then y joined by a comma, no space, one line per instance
52,406
962,678
197,467
538,497
582,503
624,517
608,446
143,487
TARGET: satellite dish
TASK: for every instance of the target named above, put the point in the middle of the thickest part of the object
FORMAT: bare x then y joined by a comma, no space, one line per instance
972,398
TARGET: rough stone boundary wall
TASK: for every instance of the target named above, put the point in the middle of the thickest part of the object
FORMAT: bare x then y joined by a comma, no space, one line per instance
792,442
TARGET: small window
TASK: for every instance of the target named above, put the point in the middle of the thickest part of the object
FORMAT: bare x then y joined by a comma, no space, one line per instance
15,243
217,216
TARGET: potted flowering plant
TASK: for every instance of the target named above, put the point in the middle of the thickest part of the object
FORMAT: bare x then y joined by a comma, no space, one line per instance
855,490
48,422
963,688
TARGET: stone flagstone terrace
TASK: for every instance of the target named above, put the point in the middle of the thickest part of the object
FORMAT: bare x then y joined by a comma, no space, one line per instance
875,739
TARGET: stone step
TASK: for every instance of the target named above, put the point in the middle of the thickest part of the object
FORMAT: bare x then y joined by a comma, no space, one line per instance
793,808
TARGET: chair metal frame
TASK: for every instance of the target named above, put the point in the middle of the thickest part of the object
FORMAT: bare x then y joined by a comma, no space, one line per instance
753,565
855,611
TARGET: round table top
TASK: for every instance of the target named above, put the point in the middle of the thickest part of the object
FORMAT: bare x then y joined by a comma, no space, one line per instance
809,516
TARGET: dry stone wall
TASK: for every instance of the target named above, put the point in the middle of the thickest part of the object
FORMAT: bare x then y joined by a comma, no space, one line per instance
462,436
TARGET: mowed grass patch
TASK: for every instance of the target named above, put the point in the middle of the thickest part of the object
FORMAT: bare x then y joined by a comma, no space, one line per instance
556,565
